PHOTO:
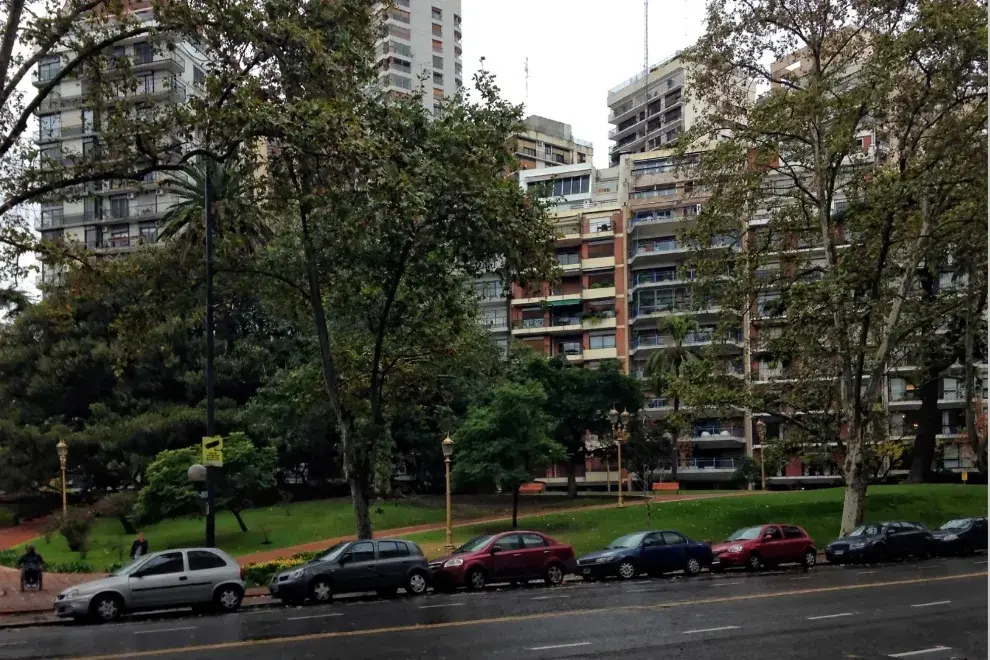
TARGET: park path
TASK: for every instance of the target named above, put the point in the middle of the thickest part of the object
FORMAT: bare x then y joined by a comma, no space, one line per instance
315,546
12,537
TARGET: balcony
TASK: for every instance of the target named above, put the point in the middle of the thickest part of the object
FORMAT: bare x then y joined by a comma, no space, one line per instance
601,353
598,293
904,399
140,62
122,243
719,437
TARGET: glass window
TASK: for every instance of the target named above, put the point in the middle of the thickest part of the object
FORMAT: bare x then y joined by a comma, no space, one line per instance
50,126
746,534
201,560
773,533
437,62
363,551
653,539
603,341
791,532
437,78
437,14
170,562
437,30
148,232
510,542
48,67
533,541
437,46
673,538
391,549
143,53
331,553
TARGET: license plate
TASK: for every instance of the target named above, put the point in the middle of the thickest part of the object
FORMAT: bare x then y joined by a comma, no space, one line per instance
586,571
716,560
839,552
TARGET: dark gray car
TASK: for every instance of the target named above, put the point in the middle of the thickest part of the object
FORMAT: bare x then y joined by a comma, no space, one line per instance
381,565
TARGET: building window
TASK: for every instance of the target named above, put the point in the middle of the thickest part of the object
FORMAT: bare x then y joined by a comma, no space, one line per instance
458,83
400,32
148,232
199,77
437,30
51,215
457,36
495,318
118,206
488,290
88,121
48,67
575,185
437,93
437,78
457,20
50,127
437,62
399,65
437,46
399,81
437,14
529,151
458,69
90,147
53,235
51,153
581,158
399,15
94,236
143,53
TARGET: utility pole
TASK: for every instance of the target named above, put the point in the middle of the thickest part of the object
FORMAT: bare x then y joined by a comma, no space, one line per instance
210,408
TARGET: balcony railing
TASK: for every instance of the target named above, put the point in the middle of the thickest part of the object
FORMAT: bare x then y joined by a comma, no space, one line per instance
569,259
716,431
651,247
565,320
654,277
712,464
656,403
120,242
529,323
134,211
568,350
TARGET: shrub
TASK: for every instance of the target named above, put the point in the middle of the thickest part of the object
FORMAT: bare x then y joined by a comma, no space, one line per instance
119,505
7,518
261,573
75,527
74,566
8,557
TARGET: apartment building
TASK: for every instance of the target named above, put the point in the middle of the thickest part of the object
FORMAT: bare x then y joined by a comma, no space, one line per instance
421,48
648,111
547,143
111,216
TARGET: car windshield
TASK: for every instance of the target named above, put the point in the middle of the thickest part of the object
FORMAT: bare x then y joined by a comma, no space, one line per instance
867,530
332,552
961,523
127,569
627,541
476,543
747,534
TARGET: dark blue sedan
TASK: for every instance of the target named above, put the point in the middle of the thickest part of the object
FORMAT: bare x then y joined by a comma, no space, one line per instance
646,552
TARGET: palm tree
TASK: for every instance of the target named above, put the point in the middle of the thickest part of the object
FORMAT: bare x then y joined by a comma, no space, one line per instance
664,371
233,215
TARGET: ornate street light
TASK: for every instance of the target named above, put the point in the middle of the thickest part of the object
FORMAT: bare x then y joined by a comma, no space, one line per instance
63,454
761,433
448,450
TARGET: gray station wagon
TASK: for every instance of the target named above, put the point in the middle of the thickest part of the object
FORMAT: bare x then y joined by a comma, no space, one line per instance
382,565
204,578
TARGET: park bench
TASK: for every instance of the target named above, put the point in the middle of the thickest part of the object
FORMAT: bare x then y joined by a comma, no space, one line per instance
534,487
662,486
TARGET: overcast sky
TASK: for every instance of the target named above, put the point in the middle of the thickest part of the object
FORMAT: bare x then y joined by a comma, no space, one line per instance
577,50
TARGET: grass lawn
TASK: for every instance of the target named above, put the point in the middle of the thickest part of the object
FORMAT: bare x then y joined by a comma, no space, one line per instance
289,525
818,511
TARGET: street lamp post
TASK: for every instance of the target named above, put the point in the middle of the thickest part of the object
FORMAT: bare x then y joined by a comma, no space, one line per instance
620,433
63,454
210,404
448,449
761,433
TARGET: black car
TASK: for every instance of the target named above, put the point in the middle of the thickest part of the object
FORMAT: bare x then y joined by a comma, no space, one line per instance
877,542
382,565
962,536
646,552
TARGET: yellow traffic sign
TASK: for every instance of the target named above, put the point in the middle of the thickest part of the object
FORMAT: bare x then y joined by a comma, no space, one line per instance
965,476
213,451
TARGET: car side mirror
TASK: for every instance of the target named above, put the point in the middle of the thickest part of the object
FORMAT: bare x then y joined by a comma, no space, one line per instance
496,549
768,537
346,559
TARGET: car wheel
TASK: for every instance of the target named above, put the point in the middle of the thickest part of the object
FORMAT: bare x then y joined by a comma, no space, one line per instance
228,598
106,608
627,570
476,579
554,575
809,559
753,562
416,584
321,591
692,567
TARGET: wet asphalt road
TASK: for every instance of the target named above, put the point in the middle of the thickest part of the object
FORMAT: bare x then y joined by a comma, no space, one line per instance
931,610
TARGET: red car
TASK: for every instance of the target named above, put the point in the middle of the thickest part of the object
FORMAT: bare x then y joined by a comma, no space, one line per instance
765,545
507,557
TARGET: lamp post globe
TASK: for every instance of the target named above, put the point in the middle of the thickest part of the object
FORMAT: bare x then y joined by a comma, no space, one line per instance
613,416
447,446
196,473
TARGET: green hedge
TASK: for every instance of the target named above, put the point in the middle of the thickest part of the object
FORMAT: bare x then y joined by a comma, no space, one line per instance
7,518
261,573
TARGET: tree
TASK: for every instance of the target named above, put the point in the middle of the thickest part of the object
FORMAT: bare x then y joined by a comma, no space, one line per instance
578,401
884,114
503,442
666,371
167,492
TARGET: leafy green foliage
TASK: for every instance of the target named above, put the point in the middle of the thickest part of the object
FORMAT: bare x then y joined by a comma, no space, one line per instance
167,491
503,442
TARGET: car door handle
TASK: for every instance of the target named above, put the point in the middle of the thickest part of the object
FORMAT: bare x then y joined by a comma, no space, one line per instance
546,552
183,578
518,554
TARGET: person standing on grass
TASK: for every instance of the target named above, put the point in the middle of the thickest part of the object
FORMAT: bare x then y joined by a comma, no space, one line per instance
140,547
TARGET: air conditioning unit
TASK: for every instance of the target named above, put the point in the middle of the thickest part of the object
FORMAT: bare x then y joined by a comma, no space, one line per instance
131,195
161,191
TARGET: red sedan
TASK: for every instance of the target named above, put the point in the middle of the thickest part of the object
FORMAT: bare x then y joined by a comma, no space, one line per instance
514,557
765,545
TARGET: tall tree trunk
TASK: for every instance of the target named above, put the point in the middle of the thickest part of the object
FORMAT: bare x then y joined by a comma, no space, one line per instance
572,464
515,507
972,308
674,452
854,502
125,522
237,516
924,439
356,478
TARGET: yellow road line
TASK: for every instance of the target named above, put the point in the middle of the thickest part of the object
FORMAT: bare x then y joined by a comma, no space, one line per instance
513,618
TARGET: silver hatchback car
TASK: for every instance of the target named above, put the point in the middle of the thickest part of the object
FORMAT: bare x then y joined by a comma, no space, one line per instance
204,578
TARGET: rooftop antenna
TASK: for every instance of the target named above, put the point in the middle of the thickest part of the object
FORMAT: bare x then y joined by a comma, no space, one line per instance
526,69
